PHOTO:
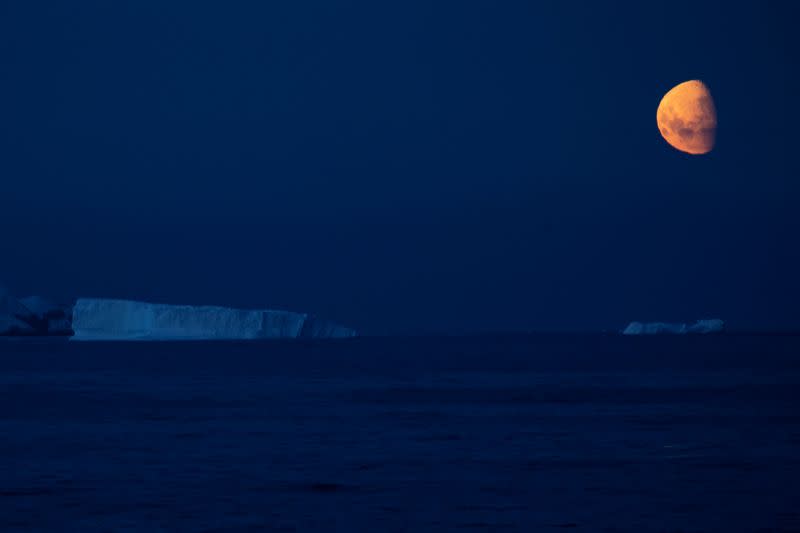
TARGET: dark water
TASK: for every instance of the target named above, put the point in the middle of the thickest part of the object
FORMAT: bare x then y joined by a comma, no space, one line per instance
547,433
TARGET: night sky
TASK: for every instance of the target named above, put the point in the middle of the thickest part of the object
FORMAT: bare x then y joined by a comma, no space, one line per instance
403,167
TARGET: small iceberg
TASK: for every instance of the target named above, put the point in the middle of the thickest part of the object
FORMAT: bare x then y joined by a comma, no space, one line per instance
700,327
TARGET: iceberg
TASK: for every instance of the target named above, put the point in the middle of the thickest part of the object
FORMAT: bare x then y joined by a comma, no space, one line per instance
316,328
33,316
107,319
660,328
50,318
14,317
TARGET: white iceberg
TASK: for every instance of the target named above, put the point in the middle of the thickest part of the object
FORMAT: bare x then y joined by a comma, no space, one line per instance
104,319
660,328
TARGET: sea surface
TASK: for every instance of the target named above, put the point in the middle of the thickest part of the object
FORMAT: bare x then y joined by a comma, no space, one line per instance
470,434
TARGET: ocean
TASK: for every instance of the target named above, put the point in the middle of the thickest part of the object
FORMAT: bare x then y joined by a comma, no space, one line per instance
467,434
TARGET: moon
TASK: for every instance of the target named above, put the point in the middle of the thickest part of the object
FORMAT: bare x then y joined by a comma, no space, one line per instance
687,118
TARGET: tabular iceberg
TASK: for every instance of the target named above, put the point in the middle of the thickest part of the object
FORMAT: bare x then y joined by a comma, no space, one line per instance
660,328
103,319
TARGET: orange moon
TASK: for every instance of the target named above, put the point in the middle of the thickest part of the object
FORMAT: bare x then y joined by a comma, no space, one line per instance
687,118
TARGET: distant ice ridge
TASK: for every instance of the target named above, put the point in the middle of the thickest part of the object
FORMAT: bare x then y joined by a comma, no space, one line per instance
104,319
659,328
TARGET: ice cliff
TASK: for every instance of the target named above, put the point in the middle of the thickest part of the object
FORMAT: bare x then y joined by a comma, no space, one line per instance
660,328
102,319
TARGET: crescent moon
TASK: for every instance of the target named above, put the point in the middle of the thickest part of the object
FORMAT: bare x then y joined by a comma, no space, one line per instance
687,118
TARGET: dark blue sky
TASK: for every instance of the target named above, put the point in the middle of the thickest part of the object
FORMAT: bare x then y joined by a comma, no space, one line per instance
403,167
